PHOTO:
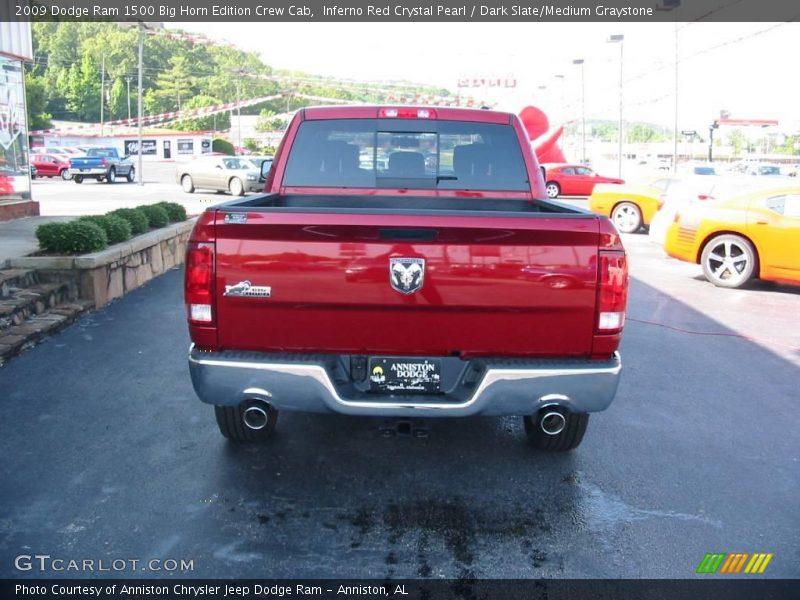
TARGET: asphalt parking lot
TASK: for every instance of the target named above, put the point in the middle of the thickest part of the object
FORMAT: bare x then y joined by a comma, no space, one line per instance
107,454
66,198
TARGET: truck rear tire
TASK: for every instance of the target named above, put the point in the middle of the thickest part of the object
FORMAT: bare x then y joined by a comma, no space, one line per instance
112,175
78,179
230,420
568,438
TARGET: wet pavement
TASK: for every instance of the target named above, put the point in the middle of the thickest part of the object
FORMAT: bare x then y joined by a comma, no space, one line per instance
107,454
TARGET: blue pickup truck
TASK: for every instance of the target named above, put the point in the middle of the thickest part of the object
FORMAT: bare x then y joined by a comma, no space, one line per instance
102,164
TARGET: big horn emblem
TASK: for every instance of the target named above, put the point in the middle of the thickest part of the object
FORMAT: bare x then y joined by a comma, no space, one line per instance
406,274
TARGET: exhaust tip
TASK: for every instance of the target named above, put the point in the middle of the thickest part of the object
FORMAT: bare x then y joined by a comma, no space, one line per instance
552,423
255,417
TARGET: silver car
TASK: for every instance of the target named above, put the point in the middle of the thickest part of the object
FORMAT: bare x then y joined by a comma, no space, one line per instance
221,173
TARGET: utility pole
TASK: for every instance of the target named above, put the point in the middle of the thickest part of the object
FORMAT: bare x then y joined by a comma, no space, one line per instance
102,91
238,118
128,81
239,72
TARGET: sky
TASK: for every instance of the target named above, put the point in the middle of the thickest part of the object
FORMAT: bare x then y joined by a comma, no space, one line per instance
748,69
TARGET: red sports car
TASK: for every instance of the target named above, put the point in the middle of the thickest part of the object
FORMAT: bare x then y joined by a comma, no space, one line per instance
52,165
572,180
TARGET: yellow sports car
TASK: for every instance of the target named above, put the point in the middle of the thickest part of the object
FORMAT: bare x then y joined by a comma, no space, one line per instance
735,240
630,206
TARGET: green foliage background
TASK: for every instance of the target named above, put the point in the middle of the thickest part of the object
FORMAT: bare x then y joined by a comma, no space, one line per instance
64,79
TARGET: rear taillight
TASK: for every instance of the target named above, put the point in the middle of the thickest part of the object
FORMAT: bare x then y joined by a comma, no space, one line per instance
104,162
704,197
612,295
199,282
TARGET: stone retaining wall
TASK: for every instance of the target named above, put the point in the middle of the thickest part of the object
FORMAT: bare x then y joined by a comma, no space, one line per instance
111,273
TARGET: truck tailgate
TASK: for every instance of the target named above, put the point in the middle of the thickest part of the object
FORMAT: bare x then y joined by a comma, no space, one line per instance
492,285
85,163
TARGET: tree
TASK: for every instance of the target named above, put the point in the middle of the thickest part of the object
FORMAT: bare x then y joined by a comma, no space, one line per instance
36,94
639,133
175,83
791,145
737,141
118,100
219,121
67,58
268,122
82,91
606,132
151,103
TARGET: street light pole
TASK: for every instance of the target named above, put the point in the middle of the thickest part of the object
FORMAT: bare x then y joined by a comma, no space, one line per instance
563,97
139,101
141,26
580,61
667,5
675,137
619,39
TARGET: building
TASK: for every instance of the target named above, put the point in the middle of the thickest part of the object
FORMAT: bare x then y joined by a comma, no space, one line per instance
15,182
157,144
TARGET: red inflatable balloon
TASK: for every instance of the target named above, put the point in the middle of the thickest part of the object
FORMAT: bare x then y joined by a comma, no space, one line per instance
543,139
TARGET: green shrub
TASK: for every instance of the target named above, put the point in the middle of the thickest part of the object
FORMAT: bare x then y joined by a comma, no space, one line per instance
175,211
50,236
117,229
224,146
156,215
135,218
74,237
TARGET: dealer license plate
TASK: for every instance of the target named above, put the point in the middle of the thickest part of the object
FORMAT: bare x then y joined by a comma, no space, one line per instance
405,375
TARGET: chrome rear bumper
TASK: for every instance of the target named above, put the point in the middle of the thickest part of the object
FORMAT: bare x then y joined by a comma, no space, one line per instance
513,387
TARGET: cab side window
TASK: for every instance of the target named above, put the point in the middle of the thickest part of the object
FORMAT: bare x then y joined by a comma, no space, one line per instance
791,206
787,205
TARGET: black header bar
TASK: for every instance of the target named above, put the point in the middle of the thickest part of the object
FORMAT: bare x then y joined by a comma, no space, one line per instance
411,11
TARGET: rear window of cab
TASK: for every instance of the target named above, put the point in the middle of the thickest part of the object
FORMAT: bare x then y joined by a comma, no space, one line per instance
370,153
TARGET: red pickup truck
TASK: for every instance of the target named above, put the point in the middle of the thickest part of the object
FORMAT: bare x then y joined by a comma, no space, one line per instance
405,262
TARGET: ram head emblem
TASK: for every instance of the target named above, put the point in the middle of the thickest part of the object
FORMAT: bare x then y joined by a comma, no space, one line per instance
406,274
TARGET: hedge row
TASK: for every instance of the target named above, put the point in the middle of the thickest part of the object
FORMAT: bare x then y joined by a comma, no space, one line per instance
93,233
